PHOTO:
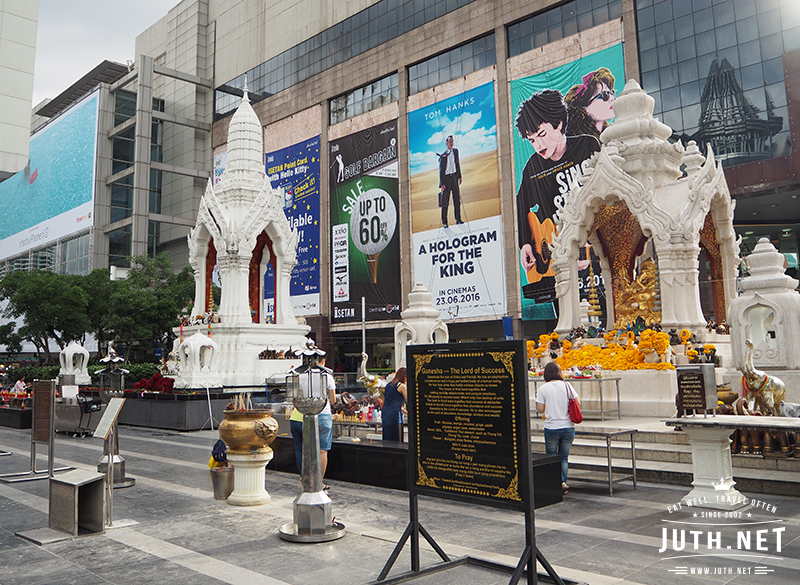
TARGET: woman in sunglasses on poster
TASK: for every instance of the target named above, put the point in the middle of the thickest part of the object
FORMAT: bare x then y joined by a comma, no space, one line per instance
590,104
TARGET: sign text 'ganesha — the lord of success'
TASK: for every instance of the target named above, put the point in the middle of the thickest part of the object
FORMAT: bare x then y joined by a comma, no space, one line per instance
467,435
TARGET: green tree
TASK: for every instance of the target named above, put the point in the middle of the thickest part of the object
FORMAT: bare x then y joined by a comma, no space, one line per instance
97,285
51,306
146,305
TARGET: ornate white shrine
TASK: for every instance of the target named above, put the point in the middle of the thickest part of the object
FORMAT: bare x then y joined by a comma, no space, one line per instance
633,192
421,324
768,312
199,354
74,359
241,226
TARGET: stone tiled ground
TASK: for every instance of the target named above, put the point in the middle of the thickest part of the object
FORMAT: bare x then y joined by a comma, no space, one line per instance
184,536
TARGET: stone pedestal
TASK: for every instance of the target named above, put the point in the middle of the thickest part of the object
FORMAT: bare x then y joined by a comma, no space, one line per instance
249,477
711,464
238,364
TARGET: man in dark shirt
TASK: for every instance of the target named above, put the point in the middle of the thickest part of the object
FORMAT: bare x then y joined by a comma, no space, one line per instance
548,175
449,181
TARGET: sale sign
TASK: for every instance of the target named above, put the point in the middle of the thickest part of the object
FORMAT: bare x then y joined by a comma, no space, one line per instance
364,238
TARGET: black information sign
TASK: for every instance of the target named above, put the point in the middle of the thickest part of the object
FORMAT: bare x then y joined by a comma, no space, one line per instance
469,440
43,406
469,422
697,388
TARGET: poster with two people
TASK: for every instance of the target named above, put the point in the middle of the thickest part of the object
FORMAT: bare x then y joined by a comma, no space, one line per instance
558,117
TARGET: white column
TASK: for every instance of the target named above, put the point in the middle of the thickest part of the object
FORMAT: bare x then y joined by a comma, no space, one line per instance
249,477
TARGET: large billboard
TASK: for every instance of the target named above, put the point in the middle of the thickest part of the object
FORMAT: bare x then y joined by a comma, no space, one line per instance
295,169
365,244
455,204
53,196
558,116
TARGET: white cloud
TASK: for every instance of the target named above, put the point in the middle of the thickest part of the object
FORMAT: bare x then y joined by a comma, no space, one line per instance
476,141
459,125
419,162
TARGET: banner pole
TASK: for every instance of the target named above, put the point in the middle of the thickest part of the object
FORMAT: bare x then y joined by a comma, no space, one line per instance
363,325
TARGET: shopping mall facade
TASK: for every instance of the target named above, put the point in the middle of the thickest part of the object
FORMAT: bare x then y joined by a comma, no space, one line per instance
357,99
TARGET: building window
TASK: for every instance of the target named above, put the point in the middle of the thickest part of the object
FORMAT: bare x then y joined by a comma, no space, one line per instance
716,72
383,21
20,263
75,255
155,191
153,237
453,64
365,99
156,141
44,259
121,199
124,106
119,247
123,148
559,22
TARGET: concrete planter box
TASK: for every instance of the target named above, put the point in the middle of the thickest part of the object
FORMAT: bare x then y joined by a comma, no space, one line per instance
177,412
15,418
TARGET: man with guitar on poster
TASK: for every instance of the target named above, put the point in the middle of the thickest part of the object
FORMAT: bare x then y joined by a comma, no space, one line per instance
548,175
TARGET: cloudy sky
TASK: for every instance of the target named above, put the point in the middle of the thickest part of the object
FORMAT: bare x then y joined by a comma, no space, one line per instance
469,117
76,35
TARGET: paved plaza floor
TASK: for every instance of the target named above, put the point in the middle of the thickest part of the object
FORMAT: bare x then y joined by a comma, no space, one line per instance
183,535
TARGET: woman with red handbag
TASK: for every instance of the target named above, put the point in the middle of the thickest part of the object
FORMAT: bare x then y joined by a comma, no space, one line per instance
553,400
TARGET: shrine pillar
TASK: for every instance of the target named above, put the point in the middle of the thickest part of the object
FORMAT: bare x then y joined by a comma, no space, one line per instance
680,290
234,273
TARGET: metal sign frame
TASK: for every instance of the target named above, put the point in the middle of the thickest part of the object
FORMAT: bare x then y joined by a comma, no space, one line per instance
107,430
509,362
43,431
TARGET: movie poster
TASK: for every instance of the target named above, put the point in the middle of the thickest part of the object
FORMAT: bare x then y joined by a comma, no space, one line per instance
365,245
558,116
458,231
295,169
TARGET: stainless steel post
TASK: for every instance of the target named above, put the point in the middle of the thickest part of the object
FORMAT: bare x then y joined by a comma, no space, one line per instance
312,468
109,443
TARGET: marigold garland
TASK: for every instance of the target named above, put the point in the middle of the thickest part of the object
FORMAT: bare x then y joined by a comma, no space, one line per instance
612,357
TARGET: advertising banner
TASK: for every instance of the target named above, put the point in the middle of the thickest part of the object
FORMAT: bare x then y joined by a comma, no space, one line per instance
295,169
220,161
455,204
364,215
53,196
558,116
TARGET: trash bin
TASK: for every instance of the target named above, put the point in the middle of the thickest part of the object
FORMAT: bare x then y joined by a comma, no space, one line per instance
222,480
77,502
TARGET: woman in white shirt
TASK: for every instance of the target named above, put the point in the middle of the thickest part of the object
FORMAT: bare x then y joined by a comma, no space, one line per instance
553,400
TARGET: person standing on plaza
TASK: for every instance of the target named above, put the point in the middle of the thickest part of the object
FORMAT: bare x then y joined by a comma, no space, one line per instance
559,431
450,181
21,388
324,420
394,399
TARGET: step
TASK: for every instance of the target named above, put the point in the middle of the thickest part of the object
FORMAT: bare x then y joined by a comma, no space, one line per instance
665,452
748,481
644,451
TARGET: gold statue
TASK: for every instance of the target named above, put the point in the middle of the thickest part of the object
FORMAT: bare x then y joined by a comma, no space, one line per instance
638,298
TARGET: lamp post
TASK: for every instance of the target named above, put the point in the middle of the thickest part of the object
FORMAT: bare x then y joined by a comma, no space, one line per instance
312,509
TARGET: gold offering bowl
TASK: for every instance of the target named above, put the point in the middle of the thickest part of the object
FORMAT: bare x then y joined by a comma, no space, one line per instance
727,396
248,430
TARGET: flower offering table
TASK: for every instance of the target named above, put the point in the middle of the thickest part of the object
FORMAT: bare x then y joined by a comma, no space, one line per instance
589,413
